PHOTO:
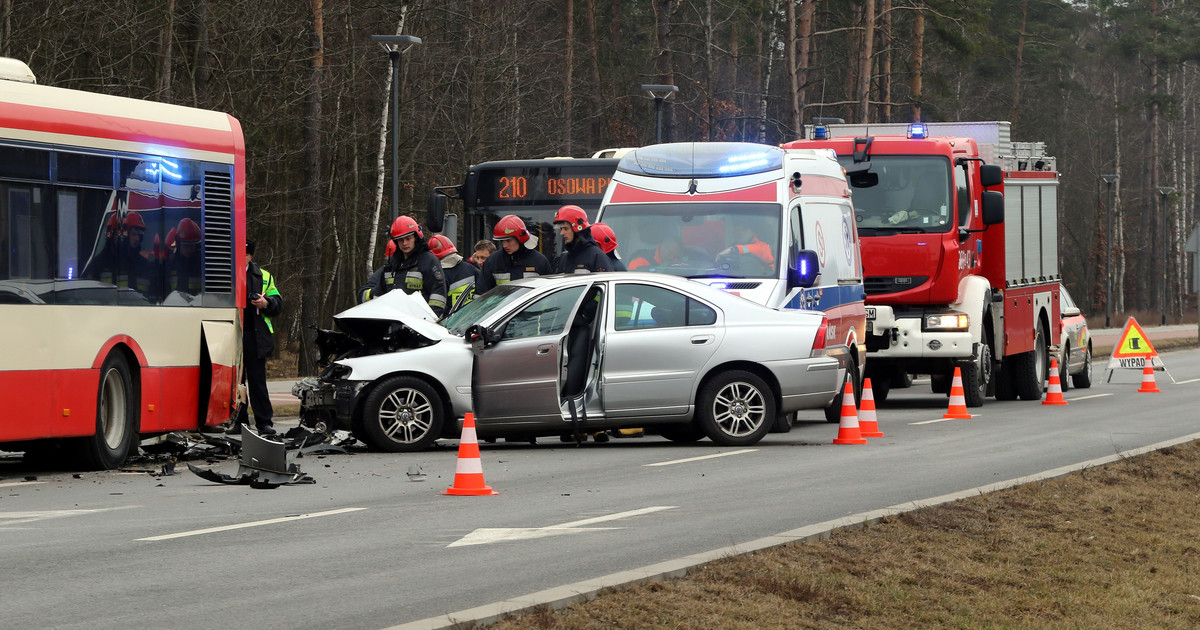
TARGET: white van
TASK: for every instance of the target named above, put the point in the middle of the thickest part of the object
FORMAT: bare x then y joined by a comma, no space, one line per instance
772,225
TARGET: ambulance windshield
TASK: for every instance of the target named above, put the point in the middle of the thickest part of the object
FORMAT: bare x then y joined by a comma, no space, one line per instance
733,240
912,195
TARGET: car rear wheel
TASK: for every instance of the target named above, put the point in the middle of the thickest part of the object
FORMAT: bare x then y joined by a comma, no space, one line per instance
1083,379
402,414
116,417
736,408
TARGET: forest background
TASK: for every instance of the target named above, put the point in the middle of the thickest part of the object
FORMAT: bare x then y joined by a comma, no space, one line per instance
1111,87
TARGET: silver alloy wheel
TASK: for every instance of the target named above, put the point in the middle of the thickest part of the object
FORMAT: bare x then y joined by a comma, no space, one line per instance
739,409
112,408
406,415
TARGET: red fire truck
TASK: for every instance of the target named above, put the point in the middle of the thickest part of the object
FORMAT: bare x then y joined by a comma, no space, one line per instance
959,229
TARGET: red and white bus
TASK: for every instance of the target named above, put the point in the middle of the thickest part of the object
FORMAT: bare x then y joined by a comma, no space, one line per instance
122,257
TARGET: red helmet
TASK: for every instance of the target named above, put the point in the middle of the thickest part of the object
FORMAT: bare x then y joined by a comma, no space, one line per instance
187,232
403,226
112,226
510,226
574,215
134,220
441,246
389,249
605,236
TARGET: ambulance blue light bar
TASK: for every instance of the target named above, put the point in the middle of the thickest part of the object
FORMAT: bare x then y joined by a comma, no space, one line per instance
917,131
702,159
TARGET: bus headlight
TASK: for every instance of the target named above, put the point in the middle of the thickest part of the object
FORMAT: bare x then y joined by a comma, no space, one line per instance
947,321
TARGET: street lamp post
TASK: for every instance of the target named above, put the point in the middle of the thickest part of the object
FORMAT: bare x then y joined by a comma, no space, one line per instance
1163,191
660,94
395,45
1109,180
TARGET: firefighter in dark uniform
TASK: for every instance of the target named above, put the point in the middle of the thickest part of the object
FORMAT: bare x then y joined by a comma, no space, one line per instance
376,277
607,240
516,257
460,274
581,253
413,268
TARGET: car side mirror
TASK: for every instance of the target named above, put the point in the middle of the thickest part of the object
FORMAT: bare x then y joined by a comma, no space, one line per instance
993,207
805,269
1070,311
435,211
480,338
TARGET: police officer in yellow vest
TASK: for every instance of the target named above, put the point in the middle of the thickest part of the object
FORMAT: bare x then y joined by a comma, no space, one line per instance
263,302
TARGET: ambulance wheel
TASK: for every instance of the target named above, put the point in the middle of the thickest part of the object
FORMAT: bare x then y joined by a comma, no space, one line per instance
402,414
833,413
117,404
1083,379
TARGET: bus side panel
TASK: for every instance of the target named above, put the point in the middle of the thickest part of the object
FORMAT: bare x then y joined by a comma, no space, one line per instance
220,399
181,400
151,400
27,397
74,411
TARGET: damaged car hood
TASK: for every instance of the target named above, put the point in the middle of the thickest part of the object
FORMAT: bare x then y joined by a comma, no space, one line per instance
370,319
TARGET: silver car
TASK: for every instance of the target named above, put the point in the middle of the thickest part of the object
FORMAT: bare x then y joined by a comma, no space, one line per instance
563,355
1075,359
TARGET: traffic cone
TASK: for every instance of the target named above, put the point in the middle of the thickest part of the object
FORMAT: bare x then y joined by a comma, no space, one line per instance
867,425
958,399
1148,384
848,432
1054,393
468,473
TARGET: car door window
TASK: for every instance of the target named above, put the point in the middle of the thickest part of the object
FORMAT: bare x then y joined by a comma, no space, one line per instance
655,307
545,316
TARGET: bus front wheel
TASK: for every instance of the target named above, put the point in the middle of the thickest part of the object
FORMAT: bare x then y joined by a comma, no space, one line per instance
116,417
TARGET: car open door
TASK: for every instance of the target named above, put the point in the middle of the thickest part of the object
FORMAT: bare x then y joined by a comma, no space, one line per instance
516,378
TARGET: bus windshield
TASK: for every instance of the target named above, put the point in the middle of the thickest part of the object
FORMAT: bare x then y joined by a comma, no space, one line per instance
734,240
911,195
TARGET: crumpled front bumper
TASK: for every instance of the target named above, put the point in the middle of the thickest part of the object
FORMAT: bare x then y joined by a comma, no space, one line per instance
325,400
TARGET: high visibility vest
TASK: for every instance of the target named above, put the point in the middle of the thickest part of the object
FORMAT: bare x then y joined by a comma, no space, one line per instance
268,289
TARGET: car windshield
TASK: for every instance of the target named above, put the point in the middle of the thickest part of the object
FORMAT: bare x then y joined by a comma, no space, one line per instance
482,306
693,239
911,195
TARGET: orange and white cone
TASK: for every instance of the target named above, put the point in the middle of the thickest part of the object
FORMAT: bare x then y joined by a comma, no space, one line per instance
468,472
1148,384
848,432
958,399
867,425
1054,392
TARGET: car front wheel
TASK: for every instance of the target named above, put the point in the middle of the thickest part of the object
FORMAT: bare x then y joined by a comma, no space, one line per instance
402,414
736,408
1083,378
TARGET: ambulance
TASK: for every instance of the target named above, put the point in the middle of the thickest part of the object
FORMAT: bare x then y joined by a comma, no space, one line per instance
775,226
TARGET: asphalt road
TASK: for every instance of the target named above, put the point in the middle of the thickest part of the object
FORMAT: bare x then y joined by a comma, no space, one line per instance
366,547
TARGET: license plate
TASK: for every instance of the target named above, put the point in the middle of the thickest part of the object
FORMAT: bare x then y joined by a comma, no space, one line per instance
870,312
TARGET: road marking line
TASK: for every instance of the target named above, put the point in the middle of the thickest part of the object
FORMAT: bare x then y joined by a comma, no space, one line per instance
20,483
696,459
1073,399
14,518
973,416
1190,380
487,535
272,521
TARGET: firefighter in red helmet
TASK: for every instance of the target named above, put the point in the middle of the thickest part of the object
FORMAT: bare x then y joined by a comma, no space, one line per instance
460,274
581,253
185,268
413,268
516,257
607,240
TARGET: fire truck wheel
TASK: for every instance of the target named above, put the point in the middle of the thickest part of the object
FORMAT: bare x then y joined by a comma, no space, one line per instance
116,417
1030,373
976,376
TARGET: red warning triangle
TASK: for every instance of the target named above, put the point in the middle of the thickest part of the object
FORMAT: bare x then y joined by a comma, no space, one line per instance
1133,343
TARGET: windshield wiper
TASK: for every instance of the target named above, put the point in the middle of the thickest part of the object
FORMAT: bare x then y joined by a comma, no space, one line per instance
715,275
891,230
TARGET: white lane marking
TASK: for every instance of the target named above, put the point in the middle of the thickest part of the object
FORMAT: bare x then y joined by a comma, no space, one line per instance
696,459
1073,398
1190,380
14,518
20,483
488,535
272,521
973,416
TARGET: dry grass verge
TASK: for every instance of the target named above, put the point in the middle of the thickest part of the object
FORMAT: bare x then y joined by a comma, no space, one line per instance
1117,546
